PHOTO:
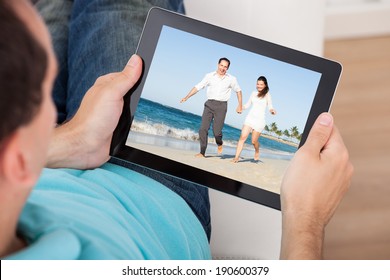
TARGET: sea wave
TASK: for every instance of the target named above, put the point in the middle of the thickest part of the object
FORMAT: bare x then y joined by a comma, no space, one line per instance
161,129
164,130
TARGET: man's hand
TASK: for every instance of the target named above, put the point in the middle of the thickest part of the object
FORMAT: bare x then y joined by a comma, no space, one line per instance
314,184
84,141
239,98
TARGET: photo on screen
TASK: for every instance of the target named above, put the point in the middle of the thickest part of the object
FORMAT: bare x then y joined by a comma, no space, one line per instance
164,126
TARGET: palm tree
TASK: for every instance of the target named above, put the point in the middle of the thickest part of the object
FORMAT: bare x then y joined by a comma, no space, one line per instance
287,133
274,127
266,128
294,131
291,134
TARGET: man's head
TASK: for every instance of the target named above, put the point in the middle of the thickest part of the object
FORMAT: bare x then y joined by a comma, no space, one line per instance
27,71
223,66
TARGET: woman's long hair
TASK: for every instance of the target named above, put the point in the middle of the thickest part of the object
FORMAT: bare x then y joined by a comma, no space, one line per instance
265,90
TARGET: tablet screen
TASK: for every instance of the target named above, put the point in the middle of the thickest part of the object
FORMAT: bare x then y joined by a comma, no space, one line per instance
167,133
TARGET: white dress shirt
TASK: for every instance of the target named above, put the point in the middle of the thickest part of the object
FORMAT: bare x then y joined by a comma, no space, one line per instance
219,88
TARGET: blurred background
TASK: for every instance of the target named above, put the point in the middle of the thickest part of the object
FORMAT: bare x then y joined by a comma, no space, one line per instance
355,33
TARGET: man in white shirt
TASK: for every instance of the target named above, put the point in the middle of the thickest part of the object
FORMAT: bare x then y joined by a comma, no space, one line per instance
219,86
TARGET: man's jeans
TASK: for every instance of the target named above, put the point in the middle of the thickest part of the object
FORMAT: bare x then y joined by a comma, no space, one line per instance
95,37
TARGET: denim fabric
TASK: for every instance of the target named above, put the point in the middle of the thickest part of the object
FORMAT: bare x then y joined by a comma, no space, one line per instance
56,15
95,37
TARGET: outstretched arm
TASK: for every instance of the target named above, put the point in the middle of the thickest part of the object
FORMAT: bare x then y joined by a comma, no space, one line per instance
84,141
314,184
192,92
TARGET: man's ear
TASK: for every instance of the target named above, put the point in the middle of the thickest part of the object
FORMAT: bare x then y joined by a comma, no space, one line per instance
15,165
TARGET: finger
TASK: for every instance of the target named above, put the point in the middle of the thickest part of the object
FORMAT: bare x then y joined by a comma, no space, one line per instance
335,144
129,76
320,133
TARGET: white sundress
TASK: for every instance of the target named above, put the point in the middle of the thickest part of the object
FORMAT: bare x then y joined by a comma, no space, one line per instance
256,116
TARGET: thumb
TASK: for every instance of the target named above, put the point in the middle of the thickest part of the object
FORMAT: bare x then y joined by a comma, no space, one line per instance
320,132
129,75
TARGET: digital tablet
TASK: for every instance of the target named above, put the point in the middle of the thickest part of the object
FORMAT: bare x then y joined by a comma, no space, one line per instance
158,131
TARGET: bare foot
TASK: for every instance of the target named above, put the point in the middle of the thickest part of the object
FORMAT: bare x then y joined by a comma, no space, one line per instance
257,155
220,148
199,155
235,160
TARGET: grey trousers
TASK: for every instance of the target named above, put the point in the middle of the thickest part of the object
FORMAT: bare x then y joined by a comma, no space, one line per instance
214,111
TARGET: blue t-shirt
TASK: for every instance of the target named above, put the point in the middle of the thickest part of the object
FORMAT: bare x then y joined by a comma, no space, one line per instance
108,213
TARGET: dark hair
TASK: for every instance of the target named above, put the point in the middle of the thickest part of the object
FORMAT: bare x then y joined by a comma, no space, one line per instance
224,58
23,63
265,90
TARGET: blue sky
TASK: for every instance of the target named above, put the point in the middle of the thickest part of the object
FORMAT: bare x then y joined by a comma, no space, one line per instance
182,59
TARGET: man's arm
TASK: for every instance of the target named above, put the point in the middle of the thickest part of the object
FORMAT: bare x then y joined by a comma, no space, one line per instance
192,92
84,141
239,98
314,184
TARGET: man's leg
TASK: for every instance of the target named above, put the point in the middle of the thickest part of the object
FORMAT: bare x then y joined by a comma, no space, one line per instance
103,34
207,117
220,109
56,14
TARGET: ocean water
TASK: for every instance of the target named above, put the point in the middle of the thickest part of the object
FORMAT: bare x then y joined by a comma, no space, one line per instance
163,121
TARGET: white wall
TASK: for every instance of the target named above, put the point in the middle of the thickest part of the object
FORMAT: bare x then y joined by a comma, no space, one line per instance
242,229
357,18
298,24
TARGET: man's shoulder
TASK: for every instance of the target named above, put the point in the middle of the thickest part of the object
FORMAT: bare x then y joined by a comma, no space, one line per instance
230,76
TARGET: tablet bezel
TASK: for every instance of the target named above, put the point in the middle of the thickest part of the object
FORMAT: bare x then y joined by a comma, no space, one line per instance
157,18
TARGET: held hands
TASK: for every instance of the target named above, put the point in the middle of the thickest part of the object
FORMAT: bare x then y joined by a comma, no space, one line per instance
314,184
272,111
84,141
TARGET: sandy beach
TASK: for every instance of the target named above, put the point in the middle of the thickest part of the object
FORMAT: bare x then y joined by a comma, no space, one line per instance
267,173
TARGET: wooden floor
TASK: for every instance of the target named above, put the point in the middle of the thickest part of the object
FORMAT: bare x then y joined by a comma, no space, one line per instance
360,228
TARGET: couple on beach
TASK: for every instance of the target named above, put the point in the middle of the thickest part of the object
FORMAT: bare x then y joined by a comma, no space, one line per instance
219,85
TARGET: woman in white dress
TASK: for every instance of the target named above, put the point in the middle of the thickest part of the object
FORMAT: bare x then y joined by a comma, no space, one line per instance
255,120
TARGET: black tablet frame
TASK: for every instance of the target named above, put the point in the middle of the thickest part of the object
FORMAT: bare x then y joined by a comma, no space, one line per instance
157,18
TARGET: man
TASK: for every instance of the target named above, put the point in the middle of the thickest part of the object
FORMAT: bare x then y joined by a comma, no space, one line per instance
219,85
129,216
111,212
